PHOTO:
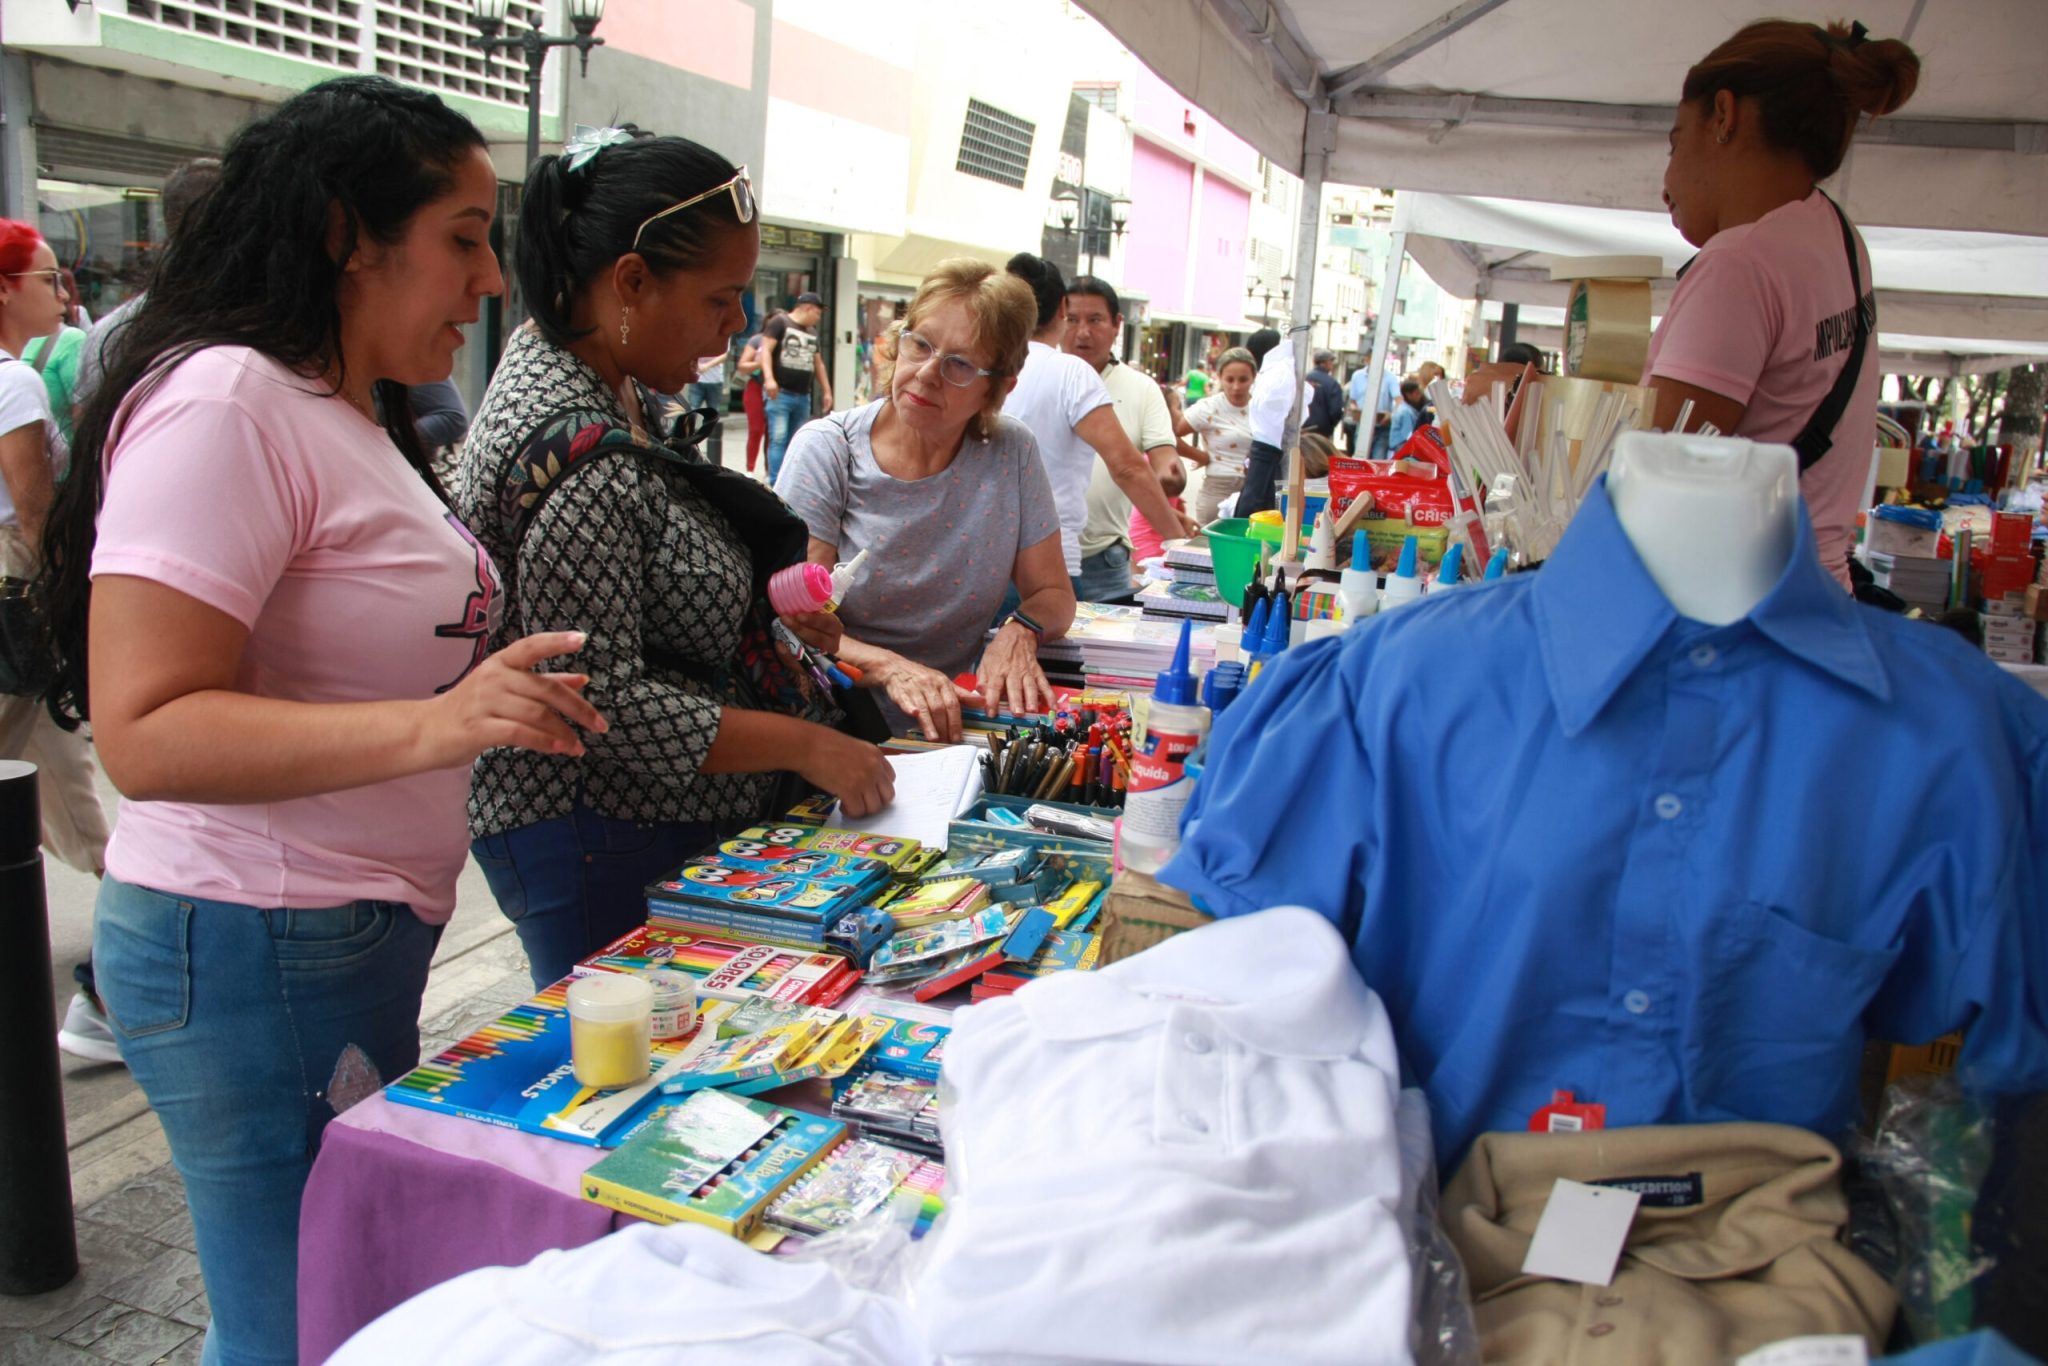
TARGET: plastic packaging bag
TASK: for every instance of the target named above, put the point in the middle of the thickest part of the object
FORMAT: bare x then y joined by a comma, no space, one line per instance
1928,1153
1444,1330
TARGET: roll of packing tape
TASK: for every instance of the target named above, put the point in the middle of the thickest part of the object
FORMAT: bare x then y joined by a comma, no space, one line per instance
1607,330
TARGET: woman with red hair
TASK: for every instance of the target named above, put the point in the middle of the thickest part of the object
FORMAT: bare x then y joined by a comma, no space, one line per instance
1768,320
32,302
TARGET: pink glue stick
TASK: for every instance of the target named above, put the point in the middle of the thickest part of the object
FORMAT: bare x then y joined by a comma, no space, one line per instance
811,587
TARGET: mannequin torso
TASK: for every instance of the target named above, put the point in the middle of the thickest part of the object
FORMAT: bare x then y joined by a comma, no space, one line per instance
1713,518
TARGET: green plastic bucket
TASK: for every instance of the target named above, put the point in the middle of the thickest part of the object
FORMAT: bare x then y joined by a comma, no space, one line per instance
1236,554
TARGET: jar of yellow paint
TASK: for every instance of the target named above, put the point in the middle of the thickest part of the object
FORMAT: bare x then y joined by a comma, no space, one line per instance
610,1029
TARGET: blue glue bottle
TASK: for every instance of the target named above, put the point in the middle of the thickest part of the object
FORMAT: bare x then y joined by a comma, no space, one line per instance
1453,565
1175,725
1404,585
1496,565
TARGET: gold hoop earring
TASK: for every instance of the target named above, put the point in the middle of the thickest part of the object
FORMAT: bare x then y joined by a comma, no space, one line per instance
622,327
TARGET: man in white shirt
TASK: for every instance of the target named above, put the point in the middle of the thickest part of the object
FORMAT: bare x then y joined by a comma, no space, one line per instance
1095,317
1072,416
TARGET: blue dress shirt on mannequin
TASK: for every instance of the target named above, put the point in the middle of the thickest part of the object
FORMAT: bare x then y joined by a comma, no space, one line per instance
1579,842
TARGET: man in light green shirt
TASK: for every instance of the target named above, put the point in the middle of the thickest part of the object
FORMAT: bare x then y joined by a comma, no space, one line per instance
1094,319
57,361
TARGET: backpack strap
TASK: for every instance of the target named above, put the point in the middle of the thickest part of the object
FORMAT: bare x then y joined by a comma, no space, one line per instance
1817,437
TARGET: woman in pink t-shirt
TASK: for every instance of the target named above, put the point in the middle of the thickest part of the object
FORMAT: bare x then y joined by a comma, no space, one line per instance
288,649
1764,319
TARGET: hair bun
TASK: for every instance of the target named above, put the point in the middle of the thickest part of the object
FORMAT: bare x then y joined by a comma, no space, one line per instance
1877,75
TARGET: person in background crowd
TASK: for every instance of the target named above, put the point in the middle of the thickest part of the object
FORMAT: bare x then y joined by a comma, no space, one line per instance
1326,405
184,187
708,391
1095,317
1196,387
288,672
74,826
1762,120
1070,412
792,358
1276,419
637,258
1357,394
438,414
949,499
54,356
1224,422
753,401
1410,413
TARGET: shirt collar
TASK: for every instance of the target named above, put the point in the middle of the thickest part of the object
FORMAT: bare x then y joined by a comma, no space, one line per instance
1280,981
1599,615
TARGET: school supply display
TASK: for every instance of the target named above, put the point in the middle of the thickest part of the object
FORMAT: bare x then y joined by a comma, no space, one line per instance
890,1106
731,968
816,1044
912,1048
1063,951
714,1159
1175,726
852,1183
932,787
516,1072
1174,601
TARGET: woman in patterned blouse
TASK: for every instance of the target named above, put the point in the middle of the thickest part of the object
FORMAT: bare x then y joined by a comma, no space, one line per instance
633,258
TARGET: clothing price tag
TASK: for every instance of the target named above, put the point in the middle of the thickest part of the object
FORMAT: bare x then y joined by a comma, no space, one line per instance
1833,1349
1580,1236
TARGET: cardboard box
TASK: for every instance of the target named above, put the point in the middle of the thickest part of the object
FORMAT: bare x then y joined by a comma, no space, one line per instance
1141,911
2036,606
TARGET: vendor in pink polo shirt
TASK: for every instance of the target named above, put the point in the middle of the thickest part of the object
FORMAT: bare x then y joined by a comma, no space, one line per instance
1766,320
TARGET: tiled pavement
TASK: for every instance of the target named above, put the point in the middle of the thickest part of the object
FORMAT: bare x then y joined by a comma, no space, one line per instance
137,1298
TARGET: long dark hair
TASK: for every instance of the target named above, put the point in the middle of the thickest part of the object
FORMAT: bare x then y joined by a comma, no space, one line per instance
575,223
250,267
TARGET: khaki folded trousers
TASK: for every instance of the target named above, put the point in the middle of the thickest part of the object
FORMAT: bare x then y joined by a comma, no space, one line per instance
1737,1246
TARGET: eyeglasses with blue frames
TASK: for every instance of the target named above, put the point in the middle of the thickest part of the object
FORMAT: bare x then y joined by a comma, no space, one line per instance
739,187
915,352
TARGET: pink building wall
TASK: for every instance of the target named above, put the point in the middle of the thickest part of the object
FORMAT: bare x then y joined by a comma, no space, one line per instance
712,38
1219,246
1173,118
1162,195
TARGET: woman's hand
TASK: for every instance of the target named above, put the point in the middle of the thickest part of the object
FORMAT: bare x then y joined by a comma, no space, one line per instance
924,694
855,772
1011,680
819,630
504,703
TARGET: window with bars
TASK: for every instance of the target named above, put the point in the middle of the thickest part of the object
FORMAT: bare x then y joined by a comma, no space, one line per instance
1103,97
995,146
426,43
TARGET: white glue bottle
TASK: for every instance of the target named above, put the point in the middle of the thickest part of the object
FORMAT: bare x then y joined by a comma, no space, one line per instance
1358,588
1175,725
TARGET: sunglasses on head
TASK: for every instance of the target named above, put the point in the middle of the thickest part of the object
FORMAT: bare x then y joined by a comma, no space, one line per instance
741,189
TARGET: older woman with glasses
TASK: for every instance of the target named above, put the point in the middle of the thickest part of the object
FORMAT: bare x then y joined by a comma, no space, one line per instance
951,503
633,253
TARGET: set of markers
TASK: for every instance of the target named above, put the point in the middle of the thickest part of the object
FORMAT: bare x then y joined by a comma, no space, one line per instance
1082,758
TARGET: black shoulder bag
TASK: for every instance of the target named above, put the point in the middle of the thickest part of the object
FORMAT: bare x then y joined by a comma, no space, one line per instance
28,663
1817,437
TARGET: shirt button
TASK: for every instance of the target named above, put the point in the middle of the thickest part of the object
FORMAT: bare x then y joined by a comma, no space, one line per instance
1195,1122
1703,656
1599,1330
1636,1002
1668,806
1196,1043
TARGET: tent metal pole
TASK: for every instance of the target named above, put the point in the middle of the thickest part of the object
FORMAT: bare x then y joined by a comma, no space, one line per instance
1318,139
1383,329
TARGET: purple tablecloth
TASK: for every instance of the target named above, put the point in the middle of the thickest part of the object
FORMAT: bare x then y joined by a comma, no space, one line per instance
401,1200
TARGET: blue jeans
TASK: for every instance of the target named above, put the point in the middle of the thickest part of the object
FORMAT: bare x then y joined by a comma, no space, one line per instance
248,1030
710,396
786,413
573,884
1106,575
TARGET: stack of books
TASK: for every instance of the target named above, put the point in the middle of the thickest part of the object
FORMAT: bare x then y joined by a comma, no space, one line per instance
1922,580
1201,602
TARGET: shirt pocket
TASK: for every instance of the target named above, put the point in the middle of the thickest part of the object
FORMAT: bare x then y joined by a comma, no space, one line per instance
1776,1032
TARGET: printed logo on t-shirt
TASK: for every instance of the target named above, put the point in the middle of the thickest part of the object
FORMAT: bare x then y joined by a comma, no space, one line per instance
795,354
1838,332
480,610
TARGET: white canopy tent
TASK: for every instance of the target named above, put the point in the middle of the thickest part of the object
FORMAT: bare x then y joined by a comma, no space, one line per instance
1573,101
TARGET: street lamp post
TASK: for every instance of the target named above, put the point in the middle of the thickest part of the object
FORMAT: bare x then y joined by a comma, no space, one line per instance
1067,207
489,18
1267,297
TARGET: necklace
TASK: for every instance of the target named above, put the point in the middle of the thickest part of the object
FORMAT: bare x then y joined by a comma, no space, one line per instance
369,414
